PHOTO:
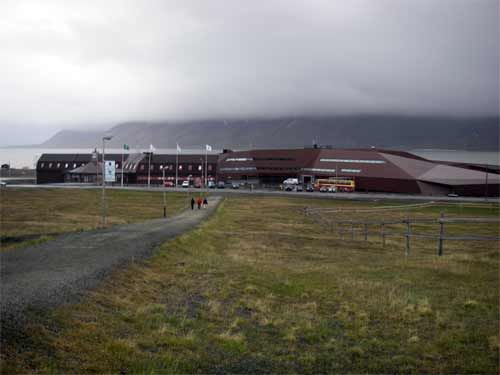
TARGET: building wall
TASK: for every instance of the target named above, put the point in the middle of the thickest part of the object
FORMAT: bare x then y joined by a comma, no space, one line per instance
372,170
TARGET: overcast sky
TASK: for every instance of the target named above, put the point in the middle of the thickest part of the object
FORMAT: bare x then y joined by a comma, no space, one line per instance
72,63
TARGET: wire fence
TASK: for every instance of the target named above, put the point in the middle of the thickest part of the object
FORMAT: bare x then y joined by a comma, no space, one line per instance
438,229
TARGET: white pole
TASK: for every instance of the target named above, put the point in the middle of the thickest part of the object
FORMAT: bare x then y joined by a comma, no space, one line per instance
206,166
122,167
149,169
176,166
103,187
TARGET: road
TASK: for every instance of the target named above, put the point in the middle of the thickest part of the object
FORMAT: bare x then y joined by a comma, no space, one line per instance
350,196
60,270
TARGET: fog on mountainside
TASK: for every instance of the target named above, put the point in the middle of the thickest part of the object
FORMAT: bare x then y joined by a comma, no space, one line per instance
400,132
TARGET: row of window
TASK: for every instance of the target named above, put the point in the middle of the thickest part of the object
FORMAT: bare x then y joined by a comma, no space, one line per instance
258,159
127,166
170,167
236,169
58,165
359,161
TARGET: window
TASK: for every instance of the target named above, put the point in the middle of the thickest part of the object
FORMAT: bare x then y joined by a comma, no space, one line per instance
361,161
74,165
152,166
66,165
239,159
323,170
50,165
117,165
161,166
351,170
210,167
58,165
275,159
190,167
199,167
180,167
42,165
142,167
238,169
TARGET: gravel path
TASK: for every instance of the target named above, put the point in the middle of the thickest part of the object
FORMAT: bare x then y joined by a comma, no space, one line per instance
60,270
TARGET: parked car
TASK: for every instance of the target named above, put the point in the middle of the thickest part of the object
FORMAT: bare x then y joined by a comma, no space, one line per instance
185,184
235,185
309,188
288,188
332,189
221,185
211,184
168,184
299,188
323,189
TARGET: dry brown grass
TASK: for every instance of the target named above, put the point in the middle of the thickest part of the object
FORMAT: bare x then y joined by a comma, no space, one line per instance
261,288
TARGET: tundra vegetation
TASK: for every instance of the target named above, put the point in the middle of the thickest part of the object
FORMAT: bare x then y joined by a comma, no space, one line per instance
260,287
30,216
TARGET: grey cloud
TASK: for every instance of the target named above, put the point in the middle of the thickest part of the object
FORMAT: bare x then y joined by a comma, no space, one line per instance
82,62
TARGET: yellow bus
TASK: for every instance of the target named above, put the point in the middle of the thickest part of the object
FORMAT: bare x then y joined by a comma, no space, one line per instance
344,184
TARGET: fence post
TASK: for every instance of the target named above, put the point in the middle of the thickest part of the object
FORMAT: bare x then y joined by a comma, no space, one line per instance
441,233
382,233
408,232
366,232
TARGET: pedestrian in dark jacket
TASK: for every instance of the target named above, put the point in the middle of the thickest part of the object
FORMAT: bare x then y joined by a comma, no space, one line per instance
192,203
198,202
205,202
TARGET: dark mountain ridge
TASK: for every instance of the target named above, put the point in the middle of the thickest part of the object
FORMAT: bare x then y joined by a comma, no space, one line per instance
399,132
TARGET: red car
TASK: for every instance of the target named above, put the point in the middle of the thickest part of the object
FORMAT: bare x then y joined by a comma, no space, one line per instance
169,184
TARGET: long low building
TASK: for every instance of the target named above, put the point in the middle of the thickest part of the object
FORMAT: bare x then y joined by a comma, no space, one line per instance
373,170
87,168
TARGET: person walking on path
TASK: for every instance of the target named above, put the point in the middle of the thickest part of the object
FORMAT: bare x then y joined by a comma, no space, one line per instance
192,203
198,202
205,202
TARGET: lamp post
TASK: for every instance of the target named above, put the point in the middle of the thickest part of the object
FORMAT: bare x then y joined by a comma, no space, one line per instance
164,196
103,203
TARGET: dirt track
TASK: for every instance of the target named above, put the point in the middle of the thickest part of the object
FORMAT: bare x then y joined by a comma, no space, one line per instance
60,270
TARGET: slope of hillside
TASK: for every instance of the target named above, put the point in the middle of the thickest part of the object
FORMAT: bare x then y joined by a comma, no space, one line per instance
347,131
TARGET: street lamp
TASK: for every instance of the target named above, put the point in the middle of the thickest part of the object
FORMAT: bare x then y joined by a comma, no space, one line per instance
103,203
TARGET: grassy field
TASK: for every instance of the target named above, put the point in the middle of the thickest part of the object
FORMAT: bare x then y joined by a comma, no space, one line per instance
28,216
262,288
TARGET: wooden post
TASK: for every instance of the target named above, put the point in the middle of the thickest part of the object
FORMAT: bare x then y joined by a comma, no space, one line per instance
366,232
408,232
382,233
441,233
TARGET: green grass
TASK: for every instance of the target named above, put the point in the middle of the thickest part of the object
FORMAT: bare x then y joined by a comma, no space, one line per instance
29,212
261,288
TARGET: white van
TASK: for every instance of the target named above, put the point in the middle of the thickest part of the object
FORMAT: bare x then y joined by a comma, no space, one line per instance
185,184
